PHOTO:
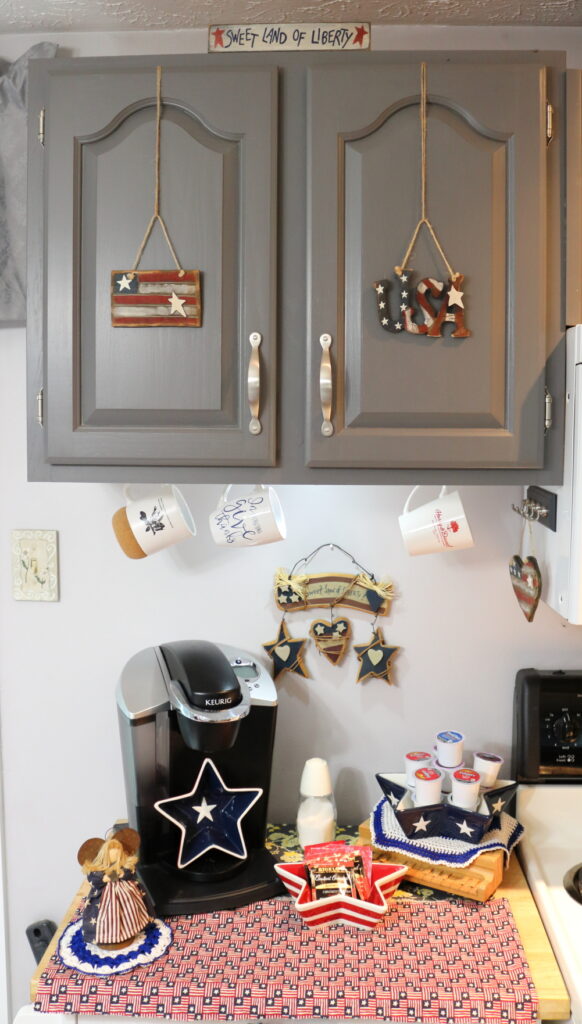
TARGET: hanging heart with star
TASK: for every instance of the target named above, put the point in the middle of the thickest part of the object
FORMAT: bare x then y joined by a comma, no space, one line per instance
331,638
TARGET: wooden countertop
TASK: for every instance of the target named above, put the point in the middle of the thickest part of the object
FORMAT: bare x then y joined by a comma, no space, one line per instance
553,998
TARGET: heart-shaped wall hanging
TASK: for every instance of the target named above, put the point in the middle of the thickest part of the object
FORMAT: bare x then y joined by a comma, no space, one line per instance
331,638
526,580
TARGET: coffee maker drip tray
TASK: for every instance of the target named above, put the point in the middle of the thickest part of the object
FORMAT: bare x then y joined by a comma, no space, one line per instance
175,891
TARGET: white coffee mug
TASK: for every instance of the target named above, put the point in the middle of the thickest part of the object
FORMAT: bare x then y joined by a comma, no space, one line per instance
440,525
154,522
254,518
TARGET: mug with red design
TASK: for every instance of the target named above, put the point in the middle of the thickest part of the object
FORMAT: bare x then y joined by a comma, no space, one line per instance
440,525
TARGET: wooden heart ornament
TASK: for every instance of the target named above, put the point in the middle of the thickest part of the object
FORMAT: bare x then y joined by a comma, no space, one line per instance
526,580
331,638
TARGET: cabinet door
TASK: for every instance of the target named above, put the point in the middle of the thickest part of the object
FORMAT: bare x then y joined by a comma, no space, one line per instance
406,400
157,395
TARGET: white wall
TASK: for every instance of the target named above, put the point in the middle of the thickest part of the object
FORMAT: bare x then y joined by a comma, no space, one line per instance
462,635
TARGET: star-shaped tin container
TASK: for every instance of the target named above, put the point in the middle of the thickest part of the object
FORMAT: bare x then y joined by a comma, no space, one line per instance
375,657
445,819
286,653
209,816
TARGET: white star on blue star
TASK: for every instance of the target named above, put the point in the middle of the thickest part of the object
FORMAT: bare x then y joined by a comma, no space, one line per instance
223,831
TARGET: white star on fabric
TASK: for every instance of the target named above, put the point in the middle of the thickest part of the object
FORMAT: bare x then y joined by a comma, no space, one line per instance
398,326
404,277
455,297
379,288
319,630
404,295
403,307
177,304
464,828
124,282
381,305
384,321
498,805
204,810
421,824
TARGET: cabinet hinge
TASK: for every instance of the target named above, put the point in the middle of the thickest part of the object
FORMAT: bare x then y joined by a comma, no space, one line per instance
40,135
549,122
40,407
548,400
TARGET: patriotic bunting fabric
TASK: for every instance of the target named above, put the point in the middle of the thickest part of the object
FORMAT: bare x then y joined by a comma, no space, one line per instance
156,298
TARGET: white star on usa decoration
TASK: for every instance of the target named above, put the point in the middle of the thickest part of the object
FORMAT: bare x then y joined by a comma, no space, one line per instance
455,297
223,830
379,288
498,806
398,326
421,824
464,828
384,321
124,282
404,277
204,809
177,304
381,305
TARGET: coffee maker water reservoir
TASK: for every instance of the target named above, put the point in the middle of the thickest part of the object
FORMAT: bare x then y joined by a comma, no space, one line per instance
197,724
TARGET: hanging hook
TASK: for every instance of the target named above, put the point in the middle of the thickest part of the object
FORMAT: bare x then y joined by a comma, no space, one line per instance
307,559
530,510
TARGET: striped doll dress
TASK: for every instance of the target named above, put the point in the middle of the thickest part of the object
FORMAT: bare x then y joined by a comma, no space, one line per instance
116,911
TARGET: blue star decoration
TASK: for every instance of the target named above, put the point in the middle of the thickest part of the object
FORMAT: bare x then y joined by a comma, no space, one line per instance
209,816
286,653
375,657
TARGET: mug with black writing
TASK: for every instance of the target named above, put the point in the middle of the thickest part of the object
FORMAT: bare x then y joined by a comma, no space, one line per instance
252,518
149,524
440,525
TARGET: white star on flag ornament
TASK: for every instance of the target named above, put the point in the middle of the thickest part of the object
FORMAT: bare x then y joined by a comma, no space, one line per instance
177,304
124,282
455,297
201,829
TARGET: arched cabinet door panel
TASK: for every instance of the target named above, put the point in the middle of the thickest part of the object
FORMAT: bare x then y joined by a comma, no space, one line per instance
401,399
159,395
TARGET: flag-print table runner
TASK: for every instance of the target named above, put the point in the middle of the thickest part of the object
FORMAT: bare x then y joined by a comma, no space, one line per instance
425,962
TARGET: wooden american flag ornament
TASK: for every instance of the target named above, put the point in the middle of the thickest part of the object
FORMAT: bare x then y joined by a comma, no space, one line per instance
155,298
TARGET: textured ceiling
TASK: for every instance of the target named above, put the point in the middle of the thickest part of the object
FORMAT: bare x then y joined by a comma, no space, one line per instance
110,15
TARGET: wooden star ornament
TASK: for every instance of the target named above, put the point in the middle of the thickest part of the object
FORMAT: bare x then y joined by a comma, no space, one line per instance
287,653
375,657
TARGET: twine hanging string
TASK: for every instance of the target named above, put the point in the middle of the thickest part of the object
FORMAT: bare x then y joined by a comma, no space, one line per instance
423,204
156,216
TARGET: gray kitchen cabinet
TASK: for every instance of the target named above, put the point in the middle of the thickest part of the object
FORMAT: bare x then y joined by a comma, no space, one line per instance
163,395
342,143
403,399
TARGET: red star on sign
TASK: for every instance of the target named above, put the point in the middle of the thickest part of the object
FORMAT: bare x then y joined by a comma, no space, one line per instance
359,36
218,34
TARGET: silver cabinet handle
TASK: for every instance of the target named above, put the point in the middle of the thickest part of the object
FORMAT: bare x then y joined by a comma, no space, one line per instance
254,383
326,385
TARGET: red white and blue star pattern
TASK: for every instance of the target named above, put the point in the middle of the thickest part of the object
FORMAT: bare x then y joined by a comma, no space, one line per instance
342,909
209,816
451,309
435,962
155,298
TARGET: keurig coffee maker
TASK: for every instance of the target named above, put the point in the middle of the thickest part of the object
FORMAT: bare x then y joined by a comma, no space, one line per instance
197,723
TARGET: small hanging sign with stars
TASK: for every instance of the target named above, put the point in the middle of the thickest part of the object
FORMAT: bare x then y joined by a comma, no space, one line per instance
310,36
155,298
403,318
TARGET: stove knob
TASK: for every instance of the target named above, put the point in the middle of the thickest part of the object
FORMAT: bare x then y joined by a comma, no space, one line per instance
566,728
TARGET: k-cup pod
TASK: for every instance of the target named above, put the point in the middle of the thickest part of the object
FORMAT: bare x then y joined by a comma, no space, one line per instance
450,748
488,766
154,522
447,774
428,782
414,760
466,788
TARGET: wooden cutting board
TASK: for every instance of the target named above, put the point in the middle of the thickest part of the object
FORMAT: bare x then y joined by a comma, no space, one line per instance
477,881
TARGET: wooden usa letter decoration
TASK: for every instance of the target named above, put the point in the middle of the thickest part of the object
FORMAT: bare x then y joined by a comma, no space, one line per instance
450,310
